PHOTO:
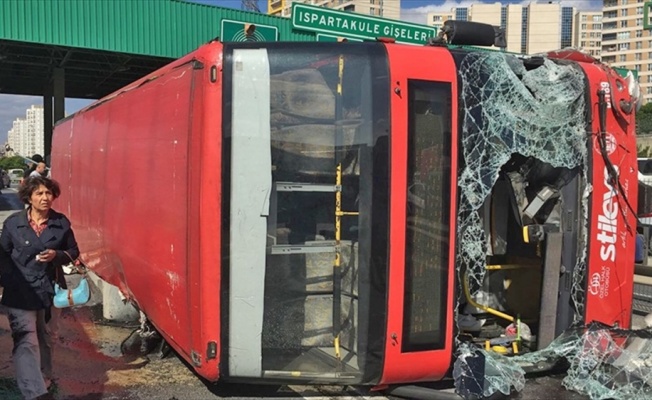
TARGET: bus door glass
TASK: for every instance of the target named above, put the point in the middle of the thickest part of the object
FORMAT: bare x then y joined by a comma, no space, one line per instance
306,179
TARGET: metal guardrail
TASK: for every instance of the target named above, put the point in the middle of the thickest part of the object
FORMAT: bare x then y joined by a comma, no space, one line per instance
642,307
643,292
642,299
643,270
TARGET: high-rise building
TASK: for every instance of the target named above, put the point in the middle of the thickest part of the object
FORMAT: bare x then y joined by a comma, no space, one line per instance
275,7
437,19
625,40
587,32
26,137
16,135
379,8
35,131
529,29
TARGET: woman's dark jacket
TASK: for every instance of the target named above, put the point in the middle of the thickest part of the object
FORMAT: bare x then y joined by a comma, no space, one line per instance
28,284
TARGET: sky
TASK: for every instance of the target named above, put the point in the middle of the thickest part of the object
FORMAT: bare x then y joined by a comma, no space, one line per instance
13,106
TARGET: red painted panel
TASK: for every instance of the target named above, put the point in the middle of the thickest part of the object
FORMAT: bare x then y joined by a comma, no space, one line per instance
140,178
433,64
206,200
612,225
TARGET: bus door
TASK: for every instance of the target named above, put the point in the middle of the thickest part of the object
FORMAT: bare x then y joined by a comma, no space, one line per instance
306,187
423,151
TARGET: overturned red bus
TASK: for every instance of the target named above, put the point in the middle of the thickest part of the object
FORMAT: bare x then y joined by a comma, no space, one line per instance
348,212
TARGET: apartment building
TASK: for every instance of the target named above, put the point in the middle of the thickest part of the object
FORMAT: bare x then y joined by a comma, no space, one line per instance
26,137
380,8
587,32
626,41
437,19
529,29
16,134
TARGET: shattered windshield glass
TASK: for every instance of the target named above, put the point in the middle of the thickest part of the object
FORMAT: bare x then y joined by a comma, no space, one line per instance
524,155
604,363
507,109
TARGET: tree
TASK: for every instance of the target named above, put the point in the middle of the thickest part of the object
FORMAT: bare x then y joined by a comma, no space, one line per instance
7,163
644,120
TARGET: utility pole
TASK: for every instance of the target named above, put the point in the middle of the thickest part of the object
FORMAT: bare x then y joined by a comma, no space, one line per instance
250,5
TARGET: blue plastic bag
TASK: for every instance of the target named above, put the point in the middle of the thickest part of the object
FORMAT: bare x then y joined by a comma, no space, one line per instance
638,258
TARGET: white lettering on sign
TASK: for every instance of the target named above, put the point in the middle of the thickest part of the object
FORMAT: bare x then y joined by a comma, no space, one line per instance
608,221
609,141
607,228
402,33
365,27
594,284
607,92
599,283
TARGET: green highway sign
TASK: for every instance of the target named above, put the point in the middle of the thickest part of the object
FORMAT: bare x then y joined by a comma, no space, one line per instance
647,24
238,31
346,24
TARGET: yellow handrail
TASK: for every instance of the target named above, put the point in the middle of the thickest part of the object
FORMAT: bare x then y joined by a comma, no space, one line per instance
337,264
475,304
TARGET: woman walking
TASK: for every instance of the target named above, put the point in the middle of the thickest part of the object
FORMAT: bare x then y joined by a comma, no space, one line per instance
34,244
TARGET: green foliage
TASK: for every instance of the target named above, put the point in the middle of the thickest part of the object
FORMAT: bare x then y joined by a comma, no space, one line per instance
9,390
645,109
7,163
643,151
644,120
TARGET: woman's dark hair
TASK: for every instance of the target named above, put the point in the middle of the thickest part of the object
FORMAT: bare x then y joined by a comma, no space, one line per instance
31,184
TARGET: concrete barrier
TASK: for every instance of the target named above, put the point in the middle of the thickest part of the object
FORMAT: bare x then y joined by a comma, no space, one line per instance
114,307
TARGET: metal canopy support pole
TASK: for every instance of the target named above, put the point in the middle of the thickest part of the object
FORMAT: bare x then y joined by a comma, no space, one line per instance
47,118
58,85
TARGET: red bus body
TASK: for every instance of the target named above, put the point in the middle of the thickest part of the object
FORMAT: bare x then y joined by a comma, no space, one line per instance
146,180
611,259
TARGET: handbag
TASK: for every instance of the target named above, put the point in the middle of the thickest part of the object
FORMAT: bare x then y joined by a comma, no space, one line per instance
72,297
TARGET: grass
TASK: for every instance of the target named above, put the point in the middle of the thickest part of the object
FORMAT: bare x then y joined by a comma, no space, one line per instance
9,390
